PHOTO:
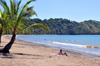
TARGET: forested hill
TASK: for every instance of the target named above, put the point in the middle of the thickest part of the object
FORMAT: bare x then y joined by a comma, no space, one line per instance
65,27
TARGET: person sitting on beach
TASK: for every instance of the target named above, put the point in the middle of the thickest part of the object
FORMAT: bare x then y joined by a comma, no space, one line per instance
61,53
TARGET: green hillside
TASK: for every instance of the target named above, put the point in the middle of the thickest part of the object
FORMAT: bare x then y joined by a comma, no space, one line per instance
65,27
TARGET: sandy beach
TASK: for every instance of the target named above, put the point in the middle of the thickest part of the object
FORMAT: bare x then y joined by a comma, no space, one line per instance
31,54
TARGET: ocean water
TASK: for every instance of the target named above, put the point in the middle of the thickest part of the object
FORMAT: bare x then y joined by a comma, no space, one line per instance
87,44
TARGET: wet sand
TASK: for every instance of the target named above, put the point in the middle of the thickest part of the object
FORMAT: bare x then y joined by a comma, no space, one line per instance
31,54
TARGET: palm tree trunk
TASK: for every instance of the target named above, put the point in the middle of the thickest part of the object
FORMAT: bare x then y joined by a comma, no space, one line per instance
0,35
9,45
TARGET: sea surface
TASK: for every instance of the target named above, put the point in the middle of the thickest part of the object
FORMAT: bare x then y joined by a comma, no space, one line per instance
86,44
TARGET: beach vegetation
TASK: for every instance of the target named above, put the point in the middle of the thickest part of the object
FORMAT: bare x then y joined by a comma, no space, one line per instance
3,22
16,16
62,26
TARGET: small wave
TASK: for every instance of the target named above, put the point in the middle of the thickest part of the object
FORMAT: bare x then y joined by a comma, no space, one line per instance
68,44
50,45
87,51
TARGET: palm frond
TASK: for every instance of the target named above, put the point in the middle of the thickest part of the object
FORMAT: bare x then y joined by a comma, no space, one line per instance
20,15
0,26
12,7
29,8
37,25
0,13
23,9
15,23
5,6
29,14
3,23
15,9
4,15
27,3
18,7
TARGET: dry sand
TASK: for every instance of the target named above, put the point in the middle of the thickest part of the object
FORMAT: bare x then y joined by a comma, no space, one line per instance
28,54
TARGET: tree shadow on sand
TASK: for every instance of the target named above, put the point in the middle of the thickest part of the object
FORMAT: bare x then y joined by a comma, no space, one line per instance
1,46
13,55
26,54
6,55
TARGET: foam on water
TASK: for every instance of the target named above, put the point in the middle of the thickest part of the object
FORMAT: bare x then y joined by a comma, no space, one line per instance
77,45
68,44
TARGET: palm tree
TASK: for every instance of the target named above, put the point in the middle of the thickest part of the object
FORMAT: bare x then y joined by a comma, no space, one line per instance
3,23
0,32
16,15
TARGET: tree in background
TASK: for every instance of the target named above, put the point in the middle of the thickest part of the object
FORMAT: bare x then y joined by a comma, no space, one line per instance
3,22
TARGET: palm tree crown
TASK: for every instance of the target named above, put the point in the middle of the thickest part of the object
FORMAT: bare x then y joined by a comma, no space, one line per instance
16,16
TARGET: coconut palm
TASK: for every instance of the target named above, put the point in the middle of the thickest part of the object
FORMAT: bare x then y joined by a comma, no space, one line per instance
0,32
16,15
3,23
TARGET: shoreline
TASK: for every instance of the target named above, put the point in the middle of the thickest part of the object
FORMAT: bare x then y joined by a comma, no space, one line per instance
69,49
27,54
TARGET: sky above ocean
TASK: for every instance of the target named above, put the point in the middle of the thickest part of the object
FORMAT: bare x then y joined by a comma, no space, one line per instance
74,10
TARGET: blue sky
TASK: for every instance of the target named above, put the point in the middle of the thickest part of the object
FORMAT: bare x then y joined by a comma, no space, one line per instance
74,10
